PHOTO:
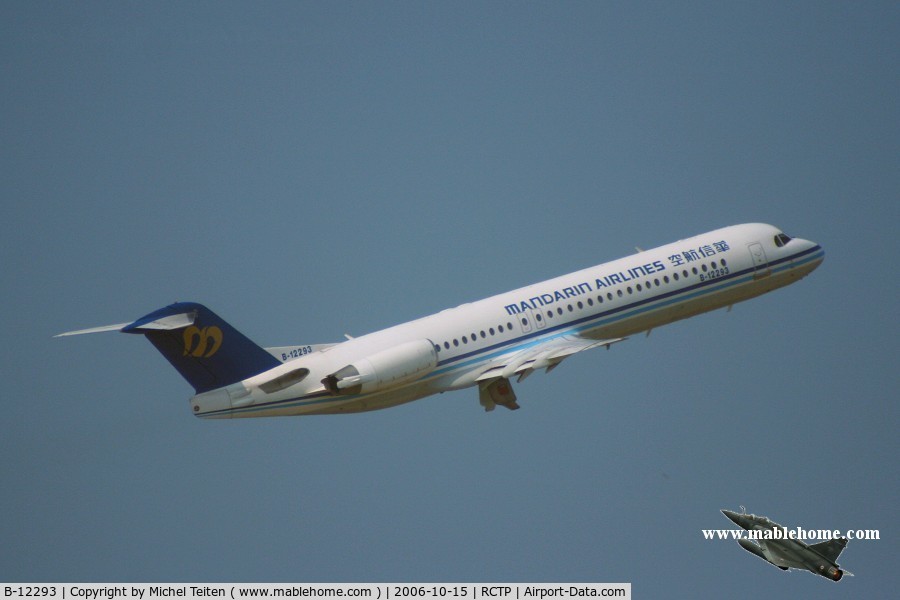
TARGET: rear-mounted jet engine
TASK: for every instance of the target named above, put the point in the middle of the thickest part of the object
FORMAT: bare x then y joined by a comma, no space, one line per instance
383,370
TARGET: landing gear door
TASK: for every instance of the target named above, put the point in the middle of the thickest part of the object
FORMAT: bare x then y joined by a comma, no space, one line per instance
760,262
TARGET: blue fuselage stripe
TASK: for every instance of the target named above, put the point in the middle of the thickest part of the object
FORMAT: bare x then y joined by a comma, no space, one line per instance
610,316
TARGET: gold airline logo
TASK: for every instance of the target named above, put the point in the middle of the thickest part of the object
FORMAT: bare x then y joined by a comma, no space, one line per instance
202,343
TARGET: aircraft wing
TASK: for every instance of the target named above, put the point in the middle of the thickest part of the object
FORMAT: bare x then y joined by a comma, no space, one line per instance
544,355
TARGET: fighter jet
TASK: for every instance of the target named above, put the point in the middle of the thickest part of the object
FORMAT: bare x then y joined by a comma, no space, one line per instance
786,553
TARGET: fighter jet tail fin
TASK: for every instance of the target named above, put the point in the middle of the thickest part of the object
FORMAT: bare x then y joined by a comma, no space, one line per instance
830,549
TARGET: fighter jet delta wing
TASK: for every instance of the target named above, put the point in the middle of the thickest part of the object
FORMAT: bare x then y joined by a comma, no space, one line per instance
772,555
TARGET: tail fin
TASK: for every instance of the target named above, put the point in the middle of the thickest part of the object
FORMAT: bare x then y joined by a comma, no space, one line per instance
208,352
831,549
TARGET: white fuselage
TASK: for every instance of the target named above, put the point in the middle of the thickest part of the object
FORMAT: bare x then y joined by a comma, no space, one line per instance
606,302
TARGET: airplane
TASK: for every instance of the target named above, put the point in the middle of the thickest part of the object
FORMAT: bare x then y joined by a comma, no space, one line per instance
785,554
485,343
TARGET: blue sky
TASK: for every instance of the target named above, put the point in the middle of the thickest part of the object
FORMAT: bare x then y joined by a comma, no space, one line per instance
314,169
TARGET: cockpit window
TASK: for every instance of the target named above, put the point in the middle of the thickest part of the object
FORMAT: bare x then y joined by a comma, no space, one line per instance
781,239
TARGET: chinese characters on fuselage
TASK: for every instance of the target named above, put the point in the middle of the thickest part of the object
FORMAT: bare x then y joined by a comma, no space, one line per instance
606,281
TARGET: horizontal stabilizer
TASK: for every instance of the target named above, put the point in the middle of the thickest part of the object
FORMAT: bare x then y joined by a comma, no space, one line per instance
166,323
118,327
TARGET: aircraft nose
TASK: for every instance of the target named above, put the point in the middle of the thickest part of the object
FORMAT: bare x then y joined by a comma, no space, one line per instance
807,255
815,250
820,254
737,519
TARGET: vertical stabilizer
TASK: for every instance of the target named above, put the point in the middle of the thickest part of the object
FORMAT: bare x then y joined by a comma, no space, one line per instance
208,352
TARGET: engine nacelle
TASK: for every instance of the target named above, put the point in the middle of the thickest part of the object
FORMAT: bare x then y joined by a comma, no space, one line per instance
383,370
832,573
